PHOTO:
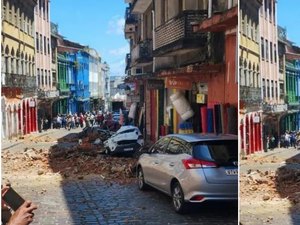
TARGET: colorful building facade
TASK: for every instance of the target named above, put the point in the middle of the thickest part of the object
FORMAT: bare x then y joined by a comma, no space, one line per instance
250,123
18,78
184,62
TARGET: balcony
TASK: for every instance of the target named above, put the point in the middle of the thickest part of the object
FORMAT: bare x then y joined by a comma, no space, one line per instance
48,94
140,6
26,83
130,23
176,36
128,62
271,108
250,95
142,53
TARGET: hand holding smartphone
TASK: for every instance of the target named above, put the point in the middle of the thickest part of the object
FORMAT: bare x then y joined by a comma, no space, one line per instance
12,199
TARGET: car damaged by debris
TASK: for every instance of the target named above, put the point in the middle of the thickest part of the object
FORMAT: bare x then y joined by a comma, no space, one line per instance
128,139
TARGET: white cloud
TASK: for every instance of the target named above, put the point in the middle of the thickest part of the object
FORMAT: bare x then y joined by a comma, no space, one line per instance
116,25
117,68
120,51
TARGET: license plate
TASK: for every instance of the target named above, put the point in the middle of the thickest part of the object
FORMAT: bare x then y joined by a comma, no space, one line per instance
231,172
128,149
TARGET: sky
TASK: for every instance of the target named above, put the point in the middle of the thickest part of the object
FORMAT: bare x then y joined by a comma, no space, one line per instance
289,18
98,24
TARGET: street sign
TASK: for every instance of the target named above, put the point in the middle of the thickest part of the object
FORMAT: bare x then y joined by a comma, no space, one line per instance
201,98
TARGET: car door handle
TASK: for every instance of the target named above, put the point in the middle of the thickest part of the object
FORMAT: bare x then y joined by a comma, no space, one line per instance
171,164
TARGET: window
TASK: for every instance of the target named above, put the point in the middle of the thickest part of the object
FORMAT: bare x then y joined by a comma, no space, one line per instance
38,77
276,90
41,44
271,52
268,88
46,78
266,8
22,66
177,147
262,42
3,10
272,89
48,43
18,67
267,50
37,42
264,87
42,78
275,53
222,152
15,18
45,45
9,15
274,12
270,10
160,146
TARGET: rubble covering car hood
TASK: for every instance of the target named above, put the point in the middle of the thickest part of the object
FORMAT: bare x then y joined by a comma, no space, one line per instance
125,133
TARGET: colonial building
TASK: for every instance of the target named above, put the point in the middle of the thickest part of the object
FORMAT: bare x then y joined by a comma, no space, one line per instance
47,91
94,77
18,79
250,78
289,68
273,102
173,57
104,86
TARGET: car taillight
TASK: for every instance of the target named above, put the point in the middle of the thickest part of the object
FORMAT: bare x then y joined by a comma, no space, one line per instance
197,163
197,198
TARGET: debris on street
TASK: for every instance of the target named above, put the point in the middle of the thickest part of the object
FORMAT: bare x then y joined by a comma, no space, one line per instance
75,162
270,185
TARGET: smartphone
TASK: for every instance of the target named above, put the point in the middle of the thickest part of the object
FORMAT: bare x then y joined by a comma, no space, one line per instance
13,199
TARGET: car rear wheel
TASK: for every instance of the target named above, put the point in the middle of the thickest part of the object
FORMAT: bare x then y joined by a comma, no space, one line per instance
179,204
141,179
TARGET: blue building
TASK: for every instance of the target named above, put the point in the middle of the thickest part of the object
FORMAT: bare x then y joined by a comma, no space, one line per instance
78,80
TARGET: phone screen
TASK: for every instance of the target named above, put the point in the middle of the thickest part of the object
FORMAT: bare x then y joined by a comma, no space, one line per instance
13,199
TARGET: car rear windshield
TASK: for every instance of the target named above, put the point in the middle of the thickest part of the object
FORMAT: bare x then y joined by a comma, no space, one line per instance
222,152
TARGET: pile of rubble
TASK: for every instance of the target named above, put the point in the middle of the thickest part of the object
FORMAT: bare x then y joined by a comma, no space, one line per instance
258,185
284,183
75,162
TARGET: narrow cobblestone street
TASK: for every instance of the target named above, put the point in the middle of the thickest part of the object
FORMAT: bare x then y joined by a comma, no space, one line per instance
94,200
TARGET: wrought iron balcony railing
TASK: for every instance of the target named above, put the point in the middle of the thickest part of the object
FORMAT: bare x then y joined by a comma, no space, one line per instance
142,52
178,32
129,17
250,94
128,61
26,83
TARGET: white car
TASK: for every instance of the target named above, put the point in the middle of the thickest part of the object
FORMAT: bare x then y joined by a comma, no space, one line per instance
127,139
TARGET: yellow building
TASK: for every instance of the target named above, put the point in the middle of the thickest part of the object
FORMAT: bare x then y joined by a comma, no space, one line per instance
18,80
250,77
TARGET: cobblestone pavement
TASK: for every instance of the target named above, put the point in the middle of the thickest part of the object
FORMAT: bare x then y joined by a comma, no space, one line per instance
94,201
279,210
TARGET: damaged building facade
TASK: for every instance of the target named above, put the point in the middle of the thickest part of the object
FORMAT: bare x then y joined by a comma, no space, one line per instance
18,77
181,52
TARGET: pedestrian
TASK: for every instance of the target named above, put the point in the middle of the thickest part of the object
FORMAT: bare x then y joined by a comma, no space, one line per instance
287,139
59,121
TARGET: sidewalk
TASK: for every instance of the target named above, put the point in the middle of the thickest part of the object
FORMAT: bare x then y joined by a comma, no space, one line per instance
53,133
6,144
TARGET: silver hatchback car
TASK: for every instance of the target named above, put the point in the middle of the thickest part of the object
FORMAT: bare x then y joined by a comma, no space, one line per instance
191,168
